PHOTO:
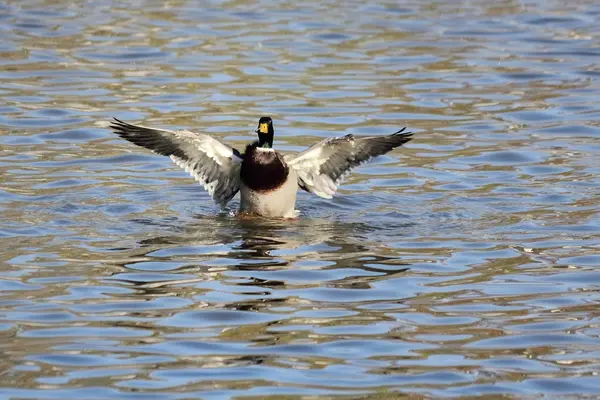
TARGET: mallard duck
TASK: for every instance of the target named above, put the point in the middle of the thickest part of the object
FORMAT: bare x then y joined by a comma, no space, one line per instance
266,179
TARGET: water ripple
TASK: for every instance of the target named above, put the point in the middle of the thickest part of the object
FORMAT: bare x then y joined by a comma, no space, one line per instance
462,265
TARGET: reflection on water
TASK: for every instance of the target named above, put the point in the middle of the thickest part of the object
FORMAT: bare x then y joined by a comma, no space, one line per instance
464,264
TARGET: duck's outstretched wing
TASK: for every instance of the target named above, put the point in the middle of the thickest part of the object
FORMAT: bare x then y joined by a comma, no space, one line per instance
321,167
214,164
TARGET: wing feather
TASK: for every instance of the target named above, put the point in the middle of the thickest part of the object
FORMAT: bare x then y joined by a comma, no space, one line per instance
214,164
322,167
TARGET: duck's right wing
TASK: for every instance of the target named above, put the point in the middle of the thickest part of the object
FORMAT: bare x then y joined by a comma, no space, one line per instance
321,167
214,164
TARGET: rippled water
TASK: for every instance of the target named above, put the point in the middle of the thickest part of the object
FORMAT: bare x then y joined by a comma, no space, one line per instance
465,264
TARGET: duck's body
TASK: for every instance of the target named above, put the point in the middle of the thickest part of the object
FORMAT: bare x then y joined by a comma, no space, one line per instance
275,196
280,202
267,180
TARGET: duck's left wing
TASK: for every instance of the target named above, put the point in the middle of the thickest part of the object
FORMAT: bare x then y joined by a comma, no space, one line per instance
214,164
321,167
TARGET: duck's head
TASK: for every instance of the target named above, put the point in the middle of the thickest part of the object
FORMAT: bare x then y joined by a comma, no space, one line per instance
265,132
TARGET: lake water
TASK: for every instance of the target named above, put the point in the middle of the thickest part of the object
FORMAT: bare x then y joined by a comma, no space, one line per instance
464,264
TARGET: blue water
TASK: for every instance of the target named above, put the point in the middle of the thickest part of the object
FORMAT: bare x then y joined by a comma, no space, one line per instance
464,264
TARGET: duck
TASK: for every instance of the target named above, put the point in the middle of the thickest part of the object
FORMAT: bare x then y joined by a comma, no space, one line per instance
267,180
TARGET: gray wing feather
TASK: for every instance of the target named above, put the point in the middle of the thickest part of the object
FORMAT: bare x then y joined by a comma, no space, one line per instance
321,167
212,163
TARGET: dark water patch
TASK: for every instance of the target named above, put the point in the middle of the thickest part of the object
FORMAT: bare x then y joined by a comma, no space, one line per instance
131,55
333,37
197,319
39,122
527,341
540,170
87,332
51,113
555,21
74,135
570,130
501,158
574,53
531,116
523,76
590,72
30,25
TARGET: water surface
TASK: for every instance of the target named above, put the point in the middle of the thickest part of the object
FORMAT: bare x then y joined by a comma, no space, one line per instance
462,265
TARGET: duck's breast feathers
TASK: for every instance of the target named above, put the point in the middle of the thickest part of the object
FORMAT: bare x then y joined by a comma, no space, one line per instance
260,155
212,163
321,167
263,170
